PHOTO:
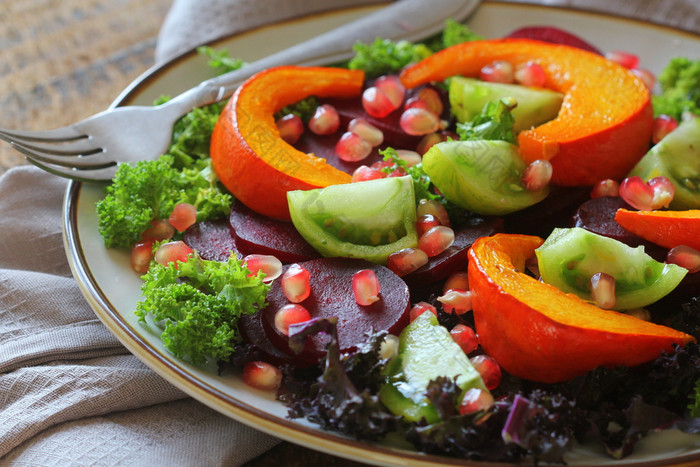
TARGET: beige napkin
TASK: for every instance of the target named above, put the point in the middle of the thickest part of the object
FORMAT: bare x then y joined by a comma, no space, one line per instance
70,394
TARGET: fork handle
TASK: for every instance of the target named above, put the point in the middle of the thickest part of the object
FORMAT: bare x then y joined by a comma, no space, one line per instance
404,19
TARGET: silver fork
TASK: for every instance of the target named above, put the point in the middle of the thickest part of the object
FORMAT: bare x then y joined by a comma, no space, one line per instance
91,149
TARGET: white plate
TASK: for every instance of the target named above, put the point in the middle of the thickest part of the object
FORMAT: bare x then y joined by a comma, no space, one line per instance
113,289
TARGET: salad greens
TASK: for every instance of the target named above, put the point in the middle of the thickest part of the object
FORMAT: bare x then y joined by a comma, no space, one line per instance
680,88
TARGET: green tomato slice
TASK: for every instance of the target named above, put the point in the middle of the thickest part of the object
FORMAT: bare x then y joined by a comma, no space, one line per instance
368,220
569,257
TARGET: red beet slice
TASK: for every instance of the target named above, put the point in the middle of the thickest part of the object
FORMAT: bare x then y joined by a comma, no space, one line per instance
213,240
253,332
331,295
455,257
259,234
555,36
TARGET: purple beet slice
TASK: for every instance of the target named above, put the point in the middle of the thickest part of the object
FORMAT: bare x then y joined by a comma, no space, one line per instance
253,332
555,36
258,234
213,240
332,295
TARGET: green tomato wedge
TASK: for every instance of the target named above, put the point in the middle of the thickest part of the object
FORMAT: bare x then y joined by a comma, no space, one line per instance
676,157
426,352
481,176
368,220
569,257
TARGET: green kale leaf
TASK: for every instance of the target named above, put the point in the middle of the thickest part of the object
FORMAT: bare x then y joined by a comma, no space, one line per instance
495,122
220,60
680,88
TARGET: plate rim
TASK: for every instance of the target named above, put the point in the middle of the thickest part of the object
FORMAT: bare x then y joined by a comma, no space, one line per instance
308,436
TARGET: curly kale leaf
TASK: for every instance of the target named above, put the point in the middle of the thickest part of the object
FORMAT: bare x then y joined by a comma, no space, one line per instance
495,122
220,60
384,56
453,34
192,135
197,303
680,88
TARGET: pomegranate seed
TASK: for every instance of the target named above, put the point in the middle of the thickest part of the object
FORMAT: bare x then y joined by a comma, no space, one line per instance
498,71
364,173
625,59
366,131
172,252
489,369
684,256
398,172
376,103
475,400
406,261
456,281
607,187
426,98
436,240
389,348
533,265
268,264
419,122
183,216
434,208
530,74
427,142
425,223
655,194
663,125
381,164
290,314
393,89
420,308
664,190
457,302
325,120
352,148
365,286
262,375
603,290
295,283
646,76
141,257
465,337
639,313
411,158
159,230
290,127
537,175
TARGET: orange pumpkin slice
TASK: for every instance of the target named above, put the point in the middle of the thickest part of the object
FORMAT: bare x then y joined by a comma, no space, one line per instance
666,228
539,333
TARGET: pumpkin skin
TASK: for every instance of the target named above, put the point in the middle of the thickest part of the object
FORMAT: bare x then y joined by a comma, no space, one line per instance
666,228
539,333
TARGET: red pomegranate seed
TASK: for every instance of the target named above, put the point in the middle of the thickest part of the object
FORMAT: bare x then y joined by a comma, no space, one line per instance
290,314
420,308
436,240
530,74
295,283
352,148
625,59
475,400
489,369
411,158
457,302
376,103
419,122
172,252
389,348
365,286
434,208
655,194
262,375
646,76
183,216
427,99
456,281
325,120
663,125
684,256
366,131
398,172
268,264
392,87
537,175
291,128
406,261
465,337
381,164
141,257
427,142
425,223
498,71
603,290
607,187
364,173
664,190
159,230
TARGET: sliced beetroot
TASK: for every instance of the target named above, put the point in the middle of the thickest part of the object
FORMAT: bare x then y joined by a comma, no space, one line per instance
555,36
259,234
253,332
332,295
598,216
213,240
455,257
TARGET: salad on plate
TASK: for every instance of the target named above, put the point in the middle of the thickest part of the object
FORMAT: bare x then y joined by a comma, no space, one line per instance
478,248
